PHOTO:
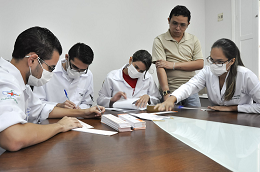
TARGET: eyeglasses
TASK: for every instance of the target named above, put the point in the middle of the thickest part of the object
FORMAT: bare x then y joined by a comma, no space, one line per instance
76,69
49,67
217,63
182,25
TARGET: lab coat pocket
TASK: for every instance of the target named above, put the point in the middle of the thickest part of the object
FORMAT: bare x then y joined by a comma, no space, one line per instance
78,96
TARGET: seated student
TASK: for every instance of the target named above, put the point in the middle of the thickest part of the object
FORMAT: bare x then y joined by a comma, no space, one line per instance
131,81
72,75
36,52
230,86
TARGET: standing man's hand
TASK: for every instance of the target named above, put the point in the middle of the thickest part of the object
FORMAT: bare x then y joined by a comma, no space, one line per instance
164,64
166,97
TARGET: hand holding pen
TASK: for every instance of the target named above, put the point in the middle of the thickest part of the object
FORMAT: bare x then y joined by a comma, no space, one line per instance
67,104
94,111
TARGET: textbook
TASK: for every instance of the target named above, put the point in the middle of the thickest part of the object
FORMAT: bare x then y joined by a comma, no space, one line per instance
134,122
115,123
127,104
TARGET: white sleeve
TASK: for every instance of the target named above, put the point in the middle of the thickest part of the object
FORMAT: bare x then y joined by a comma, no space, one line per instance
12,106
153,92
40,92
105,94
253,90
194,85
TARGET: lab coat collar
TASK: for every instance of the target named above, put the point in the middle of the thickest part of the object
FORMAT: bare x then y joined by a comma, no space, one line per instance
168,37
119,75
12,70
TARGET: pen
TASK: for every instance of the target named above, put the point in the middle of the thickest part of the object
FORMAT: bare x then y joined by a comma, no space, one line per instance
66,94
98,108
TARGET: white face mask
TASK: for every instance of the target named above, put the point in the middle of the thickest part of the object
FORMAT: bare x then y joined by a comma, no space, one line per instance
132,72
46,76
72,73
218,70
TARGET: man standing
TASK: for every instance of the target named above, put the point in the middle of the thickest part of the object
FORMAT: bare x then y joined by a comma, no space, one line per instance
72,83
36,52
177,54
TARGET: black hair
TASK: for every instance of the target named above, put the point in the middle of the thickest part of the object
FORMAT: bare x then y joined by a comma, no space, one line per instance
143,56
180,11
36,39
230,50
81,51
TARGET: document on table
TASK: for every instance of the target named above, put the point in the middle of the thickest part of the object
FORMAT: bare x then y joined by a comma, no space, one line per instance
102,132
86,128
148,116
120,110
127,104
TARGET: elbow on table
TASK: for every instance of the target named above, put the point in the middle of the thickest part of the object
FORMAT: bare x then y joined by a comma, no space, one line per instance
13,145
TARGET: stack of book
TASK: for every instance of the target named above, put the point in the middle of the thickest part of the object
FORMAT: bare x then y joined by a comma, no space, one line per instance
136,123
115,123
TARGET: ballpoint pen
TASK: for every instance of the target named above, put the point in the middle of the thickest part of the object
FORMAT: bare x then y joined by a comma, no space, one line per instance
66,94
99,108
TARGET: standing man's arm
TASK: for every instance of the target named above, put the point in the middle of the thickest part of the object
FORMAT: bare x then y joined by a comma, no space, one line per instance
186,66
158,53
196,64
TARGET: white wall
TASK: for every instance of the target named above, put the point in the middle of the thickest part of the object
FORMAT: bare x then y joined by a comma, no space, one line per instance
114,29
217,29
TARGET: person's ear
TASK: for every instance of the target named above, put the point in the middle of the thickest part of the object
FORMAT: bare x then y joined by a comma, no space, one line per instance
66,56
169,20
233,61
130,60
31,59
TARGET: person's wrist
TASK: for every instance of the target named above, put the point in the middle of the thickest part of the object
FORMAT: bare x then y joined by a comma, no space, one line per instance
166,92
60,127
173,66
111,103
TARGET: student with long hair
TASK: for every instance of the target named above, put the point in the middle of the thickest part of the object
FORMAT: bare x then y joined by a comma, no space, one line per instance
230,85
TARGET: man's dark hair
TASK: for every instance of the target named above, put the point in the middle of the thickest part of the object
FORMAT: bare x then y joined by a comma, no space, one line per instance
81,51
143,56
180,11
36,39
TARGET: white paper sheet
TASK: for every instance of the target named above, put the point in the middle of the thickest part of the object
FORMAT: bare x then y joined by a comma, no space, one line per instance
120,110
96,131
127,104
85,126
148,116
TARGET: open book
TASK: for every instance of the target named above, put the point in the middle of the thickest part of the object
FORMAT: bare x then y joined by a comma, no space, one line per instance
127,104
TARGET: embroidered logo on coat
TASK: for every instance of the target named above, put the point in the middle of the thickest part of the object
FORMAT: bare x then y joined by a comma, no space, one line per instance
10,95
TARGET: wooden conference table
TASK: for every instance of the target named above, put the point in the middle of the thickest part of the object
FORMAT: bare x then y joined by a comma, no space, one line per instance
142,150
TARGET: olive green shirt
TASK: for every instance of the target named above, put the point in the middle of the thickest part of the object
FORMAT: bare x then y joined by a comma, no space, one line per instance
167,48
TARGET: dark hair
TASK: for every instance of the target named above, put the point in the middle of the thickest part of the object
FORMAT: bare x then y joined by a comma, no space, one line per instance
180,11
81,51
143,56
230,51
36,39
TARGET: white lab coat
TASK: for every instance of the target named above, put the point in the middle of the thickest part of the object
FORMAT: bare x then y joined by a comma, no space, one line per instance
115,82
80,90
247,89
18,104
